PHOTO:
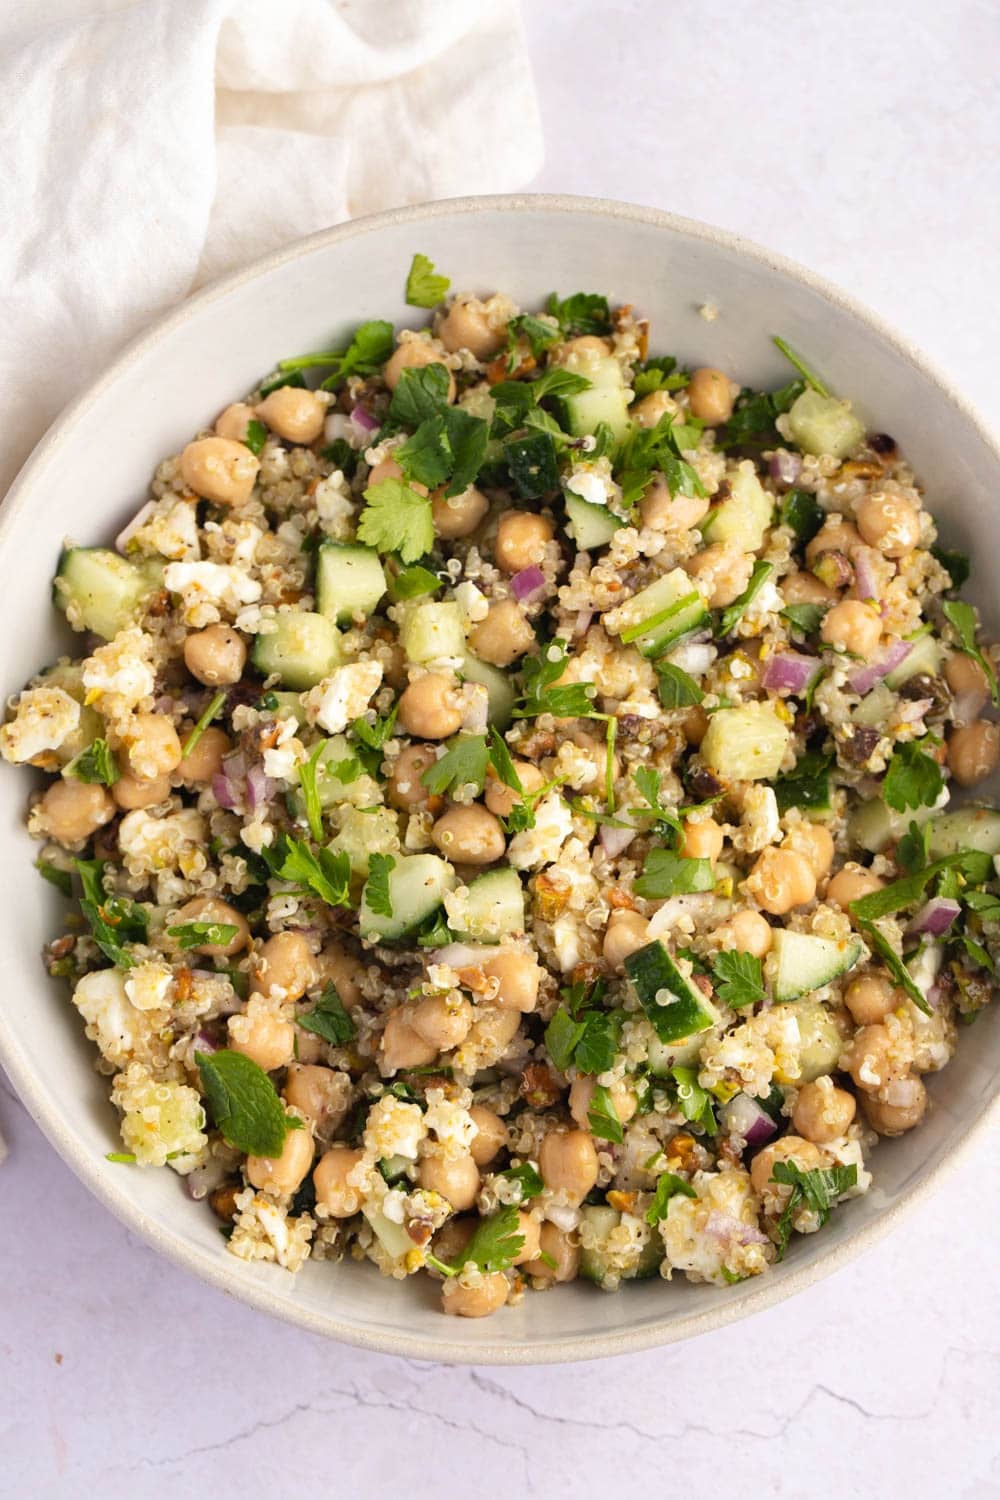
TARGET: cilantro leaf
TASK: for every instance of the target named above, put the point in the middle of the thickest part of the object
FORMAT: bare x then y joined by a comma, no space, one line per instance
963,617
583,312
448,446
730,618
694,1102
244,1103
668,874
738,979
367,352
256,436
310,792
914,778
114,920
421,392
462,764
528,1180
677,689
397,519
423,287
325,874
377,894
328,1019
495,1246
818,1190
195,934
96,765
668,1185
602,1115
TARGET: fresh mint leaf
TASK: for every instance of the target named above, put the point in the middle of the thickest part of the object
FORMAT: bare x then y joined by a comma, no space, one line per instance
818,1190
677,688
914,778
752,422
377,893
668,874
96,765
198,934
558,382
463,764
326,874
738,979
603,1116
328,1019
583,312
421,393
244,1103
962,617
423,287
668,1185
397,519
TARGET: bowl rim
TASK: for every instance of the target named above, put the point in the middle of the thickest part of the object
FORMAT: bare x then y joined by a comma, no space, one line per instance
755,1295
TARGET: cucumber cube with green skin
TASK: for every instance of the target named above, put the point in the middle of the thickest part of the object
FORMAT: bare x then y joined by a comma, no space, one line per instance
743,519
432,631
590,526
601,1221
98,590
302,649
675,1006
494,907
803,962
418,883
820,1041
923,656
499,688
967,828
663,1057
350,581
746,743
824,426
605,399
658,615
874,824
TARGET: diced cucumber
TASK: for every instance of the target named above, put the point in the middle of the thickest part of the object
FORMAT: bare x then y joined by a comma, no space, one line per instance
676,1008
820,1042
102,592
494,906
742,520
600,1222
875,707
350,581
605,400
289,706
874,824
590,526
803,962
431,631
417,886
663,1057
822,425
746,743
303,649
364,832
500,691
923,656
966,828
661,613
391,1236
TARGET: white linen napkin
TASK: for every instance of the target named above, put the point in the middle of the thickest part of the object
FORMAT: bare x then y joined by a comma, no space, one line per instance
149,145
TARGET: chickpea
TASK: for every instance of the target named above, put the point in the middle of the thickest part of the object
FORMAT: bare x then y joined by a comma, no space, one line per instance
805,588
493,1030
661,511
205,757
286,1173
334,1194
519,976
456,1179
430,708
321,1094
234,422
219,469
458,515
853,625
295,414
567,1160
625,933
873,1058
466,325
723,571
491,1135
502,799
522,537
285,963
790,1148
746,932
215,656
851,883
152,745
557,1245
489,1294
967,681
652,408
342,970
504,635
531,1230
388,468
973,752
414,354
402,1047
441,1022
815,843
889,522
267,1039
580,352
452,1239
781,879
835,535
212,909
702,839
695,724
711,395
870,998
822,1111
71,811
469,835
894,1119
131,791
406,790
582,1092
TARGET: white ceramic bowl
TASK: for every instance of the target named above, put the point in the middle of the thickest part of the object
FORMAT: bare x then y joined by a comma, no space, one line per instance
90,475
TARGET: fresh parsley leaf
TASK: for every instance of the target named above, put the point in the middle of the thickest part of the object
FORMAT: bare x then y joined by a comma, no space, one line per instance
597,1047
985,905
342,456
805,618
913,849
541,696
539,334
668,874
738,979
462,764
561,1037
914,778
367,352
377,893
528,1180
971,863
435,932
648,450
800,510
495,1246
956,564
61,879
425,458
533,464
196,934
310,792
659,375
328,1019
976,952
397,519
244,1103
963,617
694,1102
818,1190
602,1115
413,583
502,762
752,422
96,765
468,439
211,711
256,436
807,785
278,380
114,920
730,618
583,312
423,287
325,874
677,689
421,393
668,1185
372,739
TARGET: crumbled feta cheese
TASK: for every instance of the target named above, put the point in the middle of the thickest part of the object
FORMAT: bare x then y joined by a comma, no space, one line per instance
452,1126
46,717
120,675
161,845
171,530
591,485
394,1128
264,1231
343,696
760,824
472,602
334,506
219,586
538,846
715,1236
112,1020
282,760
148,985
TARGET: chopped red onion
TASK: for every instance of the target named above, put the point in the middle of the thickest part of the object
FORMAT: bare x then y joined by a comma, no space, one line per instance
225,793
463,955
789,669
865,581
615,841
900,1093
785,467
583,622
744,1117
363,419
865,678
137,522
934,917
527,582
259,788
912,709
726,1227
